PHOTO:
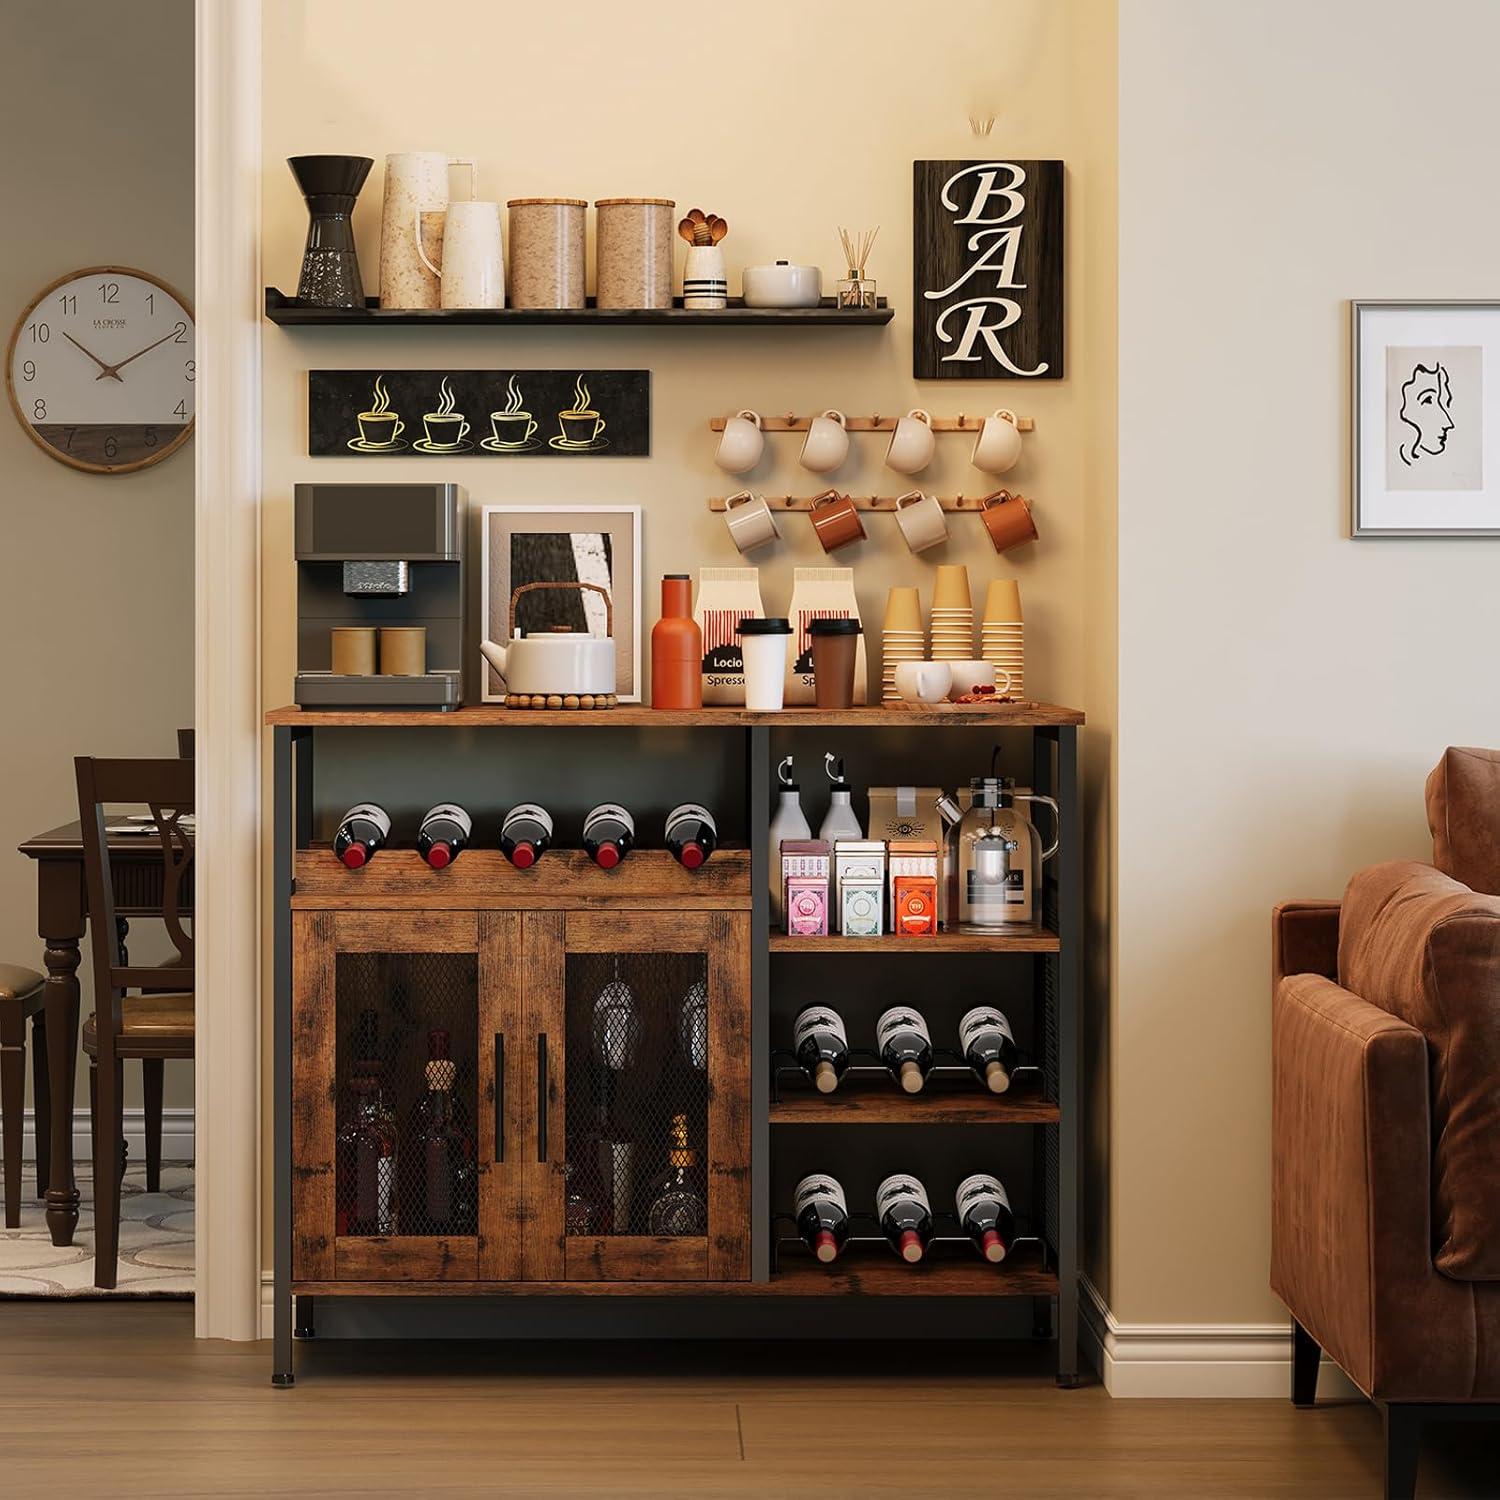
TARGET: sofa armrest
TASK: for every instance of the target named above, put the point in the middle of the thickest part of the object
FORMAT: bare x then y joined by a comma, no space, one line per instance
1350,1236
1304,939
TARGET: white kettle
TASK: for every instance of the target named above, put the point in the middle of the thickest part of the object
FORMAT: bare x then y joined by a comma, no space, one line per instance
558,660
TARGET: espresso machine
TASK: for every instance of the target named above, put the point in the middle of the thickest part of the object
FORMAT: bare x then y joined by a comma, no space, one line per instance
386,559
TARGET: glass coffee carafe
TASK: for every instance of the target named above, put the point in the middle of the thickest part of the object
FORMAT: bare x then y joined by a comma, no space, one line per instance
996,855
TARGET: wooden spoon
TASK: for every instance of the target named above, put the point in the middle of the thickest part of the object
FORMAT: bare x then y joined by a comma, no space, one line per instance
685,229
717,228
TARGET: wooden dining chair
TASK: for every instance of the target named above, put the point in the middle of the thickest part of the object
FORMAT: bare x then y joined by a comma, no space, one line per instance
154,1025
21,999
185,743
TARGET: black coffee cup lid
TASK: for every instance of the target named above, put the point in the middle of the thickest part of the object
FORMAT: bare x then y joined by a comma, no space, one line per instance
774,626
833,627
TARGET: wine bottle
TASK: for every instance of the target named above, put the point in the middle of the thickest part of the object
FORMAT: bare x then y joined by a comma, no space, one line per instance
677,1197
905,1216
362,833
444,834
905,1047
984,1212
821,1045
526,834
822,1215
366,1149
985,1039
692,834
608,834
440,1152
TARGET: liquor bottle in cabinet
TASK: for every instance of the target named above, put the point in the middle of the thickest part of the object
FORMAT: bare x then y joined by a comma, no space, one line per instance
692,1026
822,1215
821,1045
679,1201
905,1046
984,1212
692,834
366,1150
439,1154
444,834
608,834
988,1047
526,834
362,832
905,1215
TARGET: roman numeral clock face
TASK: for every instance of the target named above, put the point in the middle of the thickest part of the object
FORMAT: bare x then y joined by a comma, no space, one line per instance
102,370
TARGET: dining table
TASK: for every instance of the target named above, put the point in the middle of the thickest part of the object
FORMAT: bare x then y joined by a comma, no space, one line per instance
138,874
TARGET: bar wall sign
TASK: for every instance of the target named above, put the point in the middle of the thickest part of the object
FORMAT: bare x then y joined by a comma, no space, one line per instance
567,413
987,248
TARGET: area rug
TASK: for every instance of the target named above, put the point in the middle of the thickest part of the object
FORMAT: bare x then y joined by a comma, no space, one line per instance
156,1240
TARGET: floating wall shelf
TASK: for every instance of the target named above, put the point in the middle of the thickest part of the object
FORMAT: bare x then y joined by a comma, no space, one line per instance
289,313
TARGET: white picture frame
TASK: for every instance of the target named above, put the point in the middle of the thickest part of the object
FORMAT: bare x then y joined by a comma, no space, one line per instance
501,525
1425,401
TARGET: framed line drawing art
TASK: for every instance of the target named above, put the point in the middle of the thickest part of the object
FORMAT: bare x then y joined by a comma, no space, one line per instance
597,544
1426,403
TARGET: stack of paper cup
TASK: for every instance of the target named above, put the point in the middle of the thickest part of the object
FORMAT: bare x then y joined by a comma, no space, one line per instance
952,615
1002,633
902,638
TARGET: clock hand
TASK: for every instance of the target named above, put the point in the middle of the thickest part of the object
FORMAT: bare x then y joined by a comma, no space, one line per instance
104,368
116,368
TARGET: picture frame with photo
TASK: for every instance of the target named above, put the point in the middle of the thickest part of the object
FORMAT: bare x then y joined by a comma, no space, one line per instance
598,544
1426,419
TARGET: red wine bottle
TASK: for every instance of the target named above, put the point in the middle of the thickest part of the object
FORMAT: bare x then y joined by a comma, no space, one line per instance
822,1215
362,833
608,834
984,1212
905,1046
444,834
526,834
692,834
822,1046
988,1047
905,1216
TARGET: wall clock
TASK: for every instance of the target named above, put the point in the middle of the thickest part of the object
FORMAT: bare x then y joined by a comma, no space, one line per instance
102,372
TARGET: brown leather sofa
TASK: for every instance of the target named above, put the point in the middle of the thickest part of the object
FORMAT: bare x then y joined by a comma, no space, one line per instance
1385,1123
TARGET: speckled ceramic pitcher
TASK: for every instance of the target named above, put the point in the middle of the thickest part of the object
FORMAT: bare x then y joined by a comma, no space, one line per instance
416,182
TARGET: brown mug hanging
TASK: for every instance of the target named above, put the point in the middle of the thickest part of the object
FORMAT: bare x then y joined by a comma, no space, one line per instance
836,520
1008,520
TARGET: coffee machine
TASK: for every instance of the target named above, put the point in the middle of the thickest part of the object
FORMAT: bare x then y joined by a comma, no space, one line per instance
373,557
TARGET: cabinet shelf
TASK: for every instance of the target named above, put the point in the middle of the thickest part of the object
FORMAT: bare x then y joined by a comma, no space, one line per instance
288,312
1019,937
874,1101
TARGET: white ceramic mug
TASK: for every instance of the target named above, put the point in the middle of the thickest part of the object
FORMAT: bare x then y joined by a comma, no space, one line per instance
826,445
968,675
998,445
912,443
921,520
751,521
923,681
742,443
473,269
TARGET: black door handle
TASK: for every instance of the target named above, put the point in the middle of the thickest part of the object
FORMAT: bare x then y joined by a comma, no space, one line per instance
541,1096
499,1096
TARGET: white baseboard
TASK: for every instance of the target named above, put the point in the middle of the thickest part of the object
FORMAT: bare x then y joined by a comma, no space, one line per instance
176,1135
1195,1359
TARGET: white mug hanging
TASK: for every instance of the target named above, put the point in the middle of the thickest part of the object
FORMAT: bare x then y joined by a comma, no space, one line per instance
998,445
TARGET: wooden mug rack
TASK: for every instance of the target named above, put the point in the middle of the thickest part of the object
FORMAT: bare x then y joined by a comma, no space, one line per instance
788,422
870,502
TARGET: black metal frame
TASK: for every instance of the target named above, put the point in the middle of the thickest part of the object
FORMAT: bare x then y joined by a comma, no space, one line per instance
1058,987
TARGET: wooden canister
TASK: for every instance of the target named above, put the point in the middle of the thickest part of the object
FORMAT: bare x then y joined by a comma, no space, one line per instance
403,650
352,650
634,251
546,252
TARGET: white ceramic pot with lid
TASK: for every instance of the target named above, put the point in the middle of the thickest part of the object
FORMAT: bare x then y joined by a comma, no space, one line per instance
782,285
557,660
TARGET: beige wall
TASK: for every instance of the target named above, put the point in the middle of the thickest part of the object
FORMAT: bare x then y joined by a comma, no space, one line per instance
97,651
815,124
1282,690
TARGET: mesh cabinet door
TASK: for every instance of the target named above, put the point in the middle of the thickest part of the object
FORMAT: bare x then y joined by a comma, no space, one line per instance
642,1032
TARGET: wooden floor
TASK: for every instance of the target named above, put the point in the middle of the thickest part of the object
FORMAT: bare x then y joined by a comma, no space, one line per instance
116,1399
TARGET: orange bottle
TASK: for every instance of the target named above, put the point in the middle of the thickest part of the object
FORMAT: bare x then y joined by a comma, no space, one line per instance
676,648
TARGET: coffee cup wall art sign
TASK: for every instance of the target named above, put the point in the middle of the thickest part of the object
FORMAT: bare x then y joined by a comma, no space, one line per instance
479,413
987,253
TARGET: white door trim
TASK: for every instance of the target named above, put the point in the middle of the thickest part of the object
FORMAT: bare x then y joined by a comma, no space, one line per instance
227,671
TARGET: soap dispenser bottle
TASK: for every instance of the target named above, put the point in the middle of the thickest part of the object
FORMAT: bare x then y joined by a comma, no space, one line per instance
839,821
786,823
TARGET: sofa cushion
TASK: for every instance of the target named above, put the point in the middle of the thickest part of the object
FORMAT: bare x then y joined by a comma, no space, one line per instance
1463,812
1427,949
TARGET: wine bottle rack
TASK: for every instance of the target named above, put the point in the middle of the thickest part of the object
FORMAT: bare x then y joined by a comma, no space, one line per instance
519,951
